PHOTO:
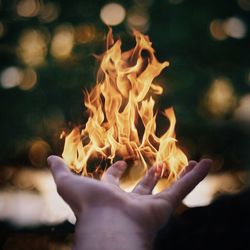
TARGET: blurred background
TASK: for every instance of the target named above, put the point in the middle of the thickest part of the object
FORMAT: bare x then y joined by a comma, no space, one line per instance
46,61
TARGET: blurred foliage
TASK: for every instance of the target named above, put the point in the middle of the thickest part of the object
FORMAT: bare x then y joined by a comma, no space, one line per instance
181,32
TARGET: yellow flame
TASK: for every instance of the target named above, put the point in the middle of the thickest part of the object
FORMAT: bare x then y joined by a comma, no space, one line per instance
122,119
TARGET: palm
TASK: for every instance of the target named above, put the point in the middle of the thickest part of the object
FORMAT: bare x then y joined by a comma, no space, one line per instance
151,211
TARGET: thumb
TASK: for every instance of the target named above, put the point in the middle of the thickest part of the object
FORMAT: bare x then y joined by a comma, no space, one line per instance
58,168
67,186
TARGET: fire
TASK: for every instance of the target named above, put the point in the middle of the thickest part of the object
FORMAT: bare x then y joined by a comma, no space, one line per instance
122,117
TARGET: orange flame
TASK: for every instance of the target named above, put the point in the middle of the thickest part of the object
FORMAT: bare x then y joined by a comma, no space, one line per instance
122,120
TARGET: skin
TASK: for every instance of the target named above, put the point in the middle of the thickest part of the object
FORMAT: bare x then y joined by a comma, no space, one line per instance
109,218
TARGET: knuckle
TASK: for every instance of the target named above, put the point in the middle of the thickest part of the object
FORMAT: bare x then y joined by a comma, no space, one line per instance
173,200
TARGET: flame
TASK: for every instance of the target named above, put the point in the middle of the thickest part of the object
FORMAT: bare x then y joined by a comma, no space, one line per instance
122,117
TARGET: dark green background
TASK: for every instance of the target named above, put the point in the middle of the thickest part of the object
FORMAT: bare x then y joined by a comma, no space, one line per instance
180,34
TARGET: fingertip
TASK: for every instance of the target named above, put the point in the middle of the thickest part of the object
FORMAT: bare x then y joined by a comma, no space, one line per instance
56,163
192,162
53,159
121,164
191,165
202,168
153,171
206,162
114,172
50,159
158,171
158,166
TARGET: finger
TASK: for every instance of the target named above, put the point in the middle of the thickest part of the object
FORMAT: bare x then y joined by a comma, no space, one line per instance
114,172
65,180
188,168
187,183
68,185
58,167
148,182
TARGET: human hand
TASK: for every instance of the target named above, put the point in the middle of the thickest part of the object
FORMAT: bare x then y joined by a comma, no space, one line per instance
104,210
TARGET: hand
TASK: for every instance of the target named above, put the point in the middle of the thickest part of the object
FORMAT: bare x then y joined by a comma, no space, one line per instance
103,208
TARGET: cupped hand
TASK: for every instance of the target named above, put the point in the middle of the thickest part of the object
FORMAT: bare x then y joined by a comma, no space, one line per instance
147,211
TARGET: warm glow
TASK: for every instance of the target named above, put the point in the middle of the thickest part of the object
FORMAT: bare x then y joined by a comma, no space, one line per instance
28,8
38,152
11,77
63,42
24,207
122,117
235,27
214,186
244,4
85,33
32,47
217,30
231,27
112,14
49,12
29,79
220,99
242,112
138,19
45,206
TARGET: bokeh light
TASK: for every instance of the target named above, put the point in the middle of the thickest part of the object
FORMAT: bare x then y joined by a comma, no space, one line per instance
138,19
244,4
231,27
112,14
11,77
242,113
217,30
220,98
46,60
49,12
44,206
214,185
28,8
85,33
32,48
235,28
38,152
63,42
29,79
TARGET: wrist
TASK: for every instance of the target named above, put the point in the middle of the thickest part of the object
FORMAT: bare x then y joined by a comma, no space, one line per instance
110,228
